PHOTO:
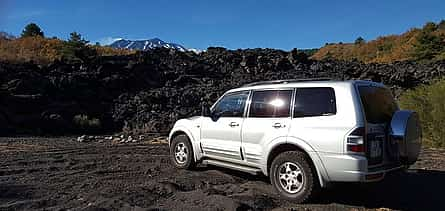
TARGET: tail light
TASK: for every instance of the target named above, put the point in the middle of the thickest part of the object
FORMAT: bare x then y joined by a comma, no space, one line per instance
355,142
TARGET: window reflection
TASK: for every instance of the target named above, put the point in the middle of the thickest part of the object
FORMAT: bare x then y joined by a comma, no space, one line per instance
277,102
270,103
232,105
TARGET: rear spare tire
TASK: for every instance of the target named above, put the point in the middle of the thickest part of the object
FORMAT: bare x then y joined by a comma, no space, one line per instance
406,132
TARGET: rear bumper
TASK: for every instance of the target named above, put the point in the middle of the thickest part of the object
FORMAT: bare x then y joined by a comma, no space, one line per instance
354,168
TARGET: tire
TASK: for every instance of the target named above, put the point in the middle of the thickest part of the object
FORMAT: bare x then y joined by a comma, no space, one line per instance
181,153
297,183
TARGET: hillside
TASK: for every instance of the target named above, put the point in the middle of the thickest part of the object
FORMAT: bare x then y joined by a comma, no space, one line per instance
149,91
41,50
425,44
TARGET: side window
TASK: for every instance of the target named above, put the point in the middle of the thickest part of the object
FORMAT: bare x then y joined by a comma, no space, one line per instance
270,103
314,102
231,105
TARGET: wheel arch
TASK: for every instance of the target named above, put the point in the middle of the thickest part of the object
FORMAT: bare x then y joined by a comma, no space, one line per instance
313,158
183,131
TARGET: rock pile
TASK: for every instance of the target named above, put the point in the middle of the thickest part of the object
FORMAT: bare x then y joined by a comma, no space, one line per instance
145,93
121,139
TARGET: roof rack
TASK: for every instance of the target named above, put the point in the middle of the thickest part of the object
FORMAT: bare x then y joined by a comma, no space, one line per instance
285,81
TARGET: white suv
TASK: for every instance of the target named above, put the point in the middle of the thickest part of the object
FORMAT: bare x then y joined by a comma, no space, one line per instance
303,134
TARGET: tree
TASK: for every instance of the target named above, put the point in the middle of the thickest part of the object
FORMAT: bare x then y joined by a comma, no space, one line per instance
32,30
441,25
429,27
359,41
428,45
77,49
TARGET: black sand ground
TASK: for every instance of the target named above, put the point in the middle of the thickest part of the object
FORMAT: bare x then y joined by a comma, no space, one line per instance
62,174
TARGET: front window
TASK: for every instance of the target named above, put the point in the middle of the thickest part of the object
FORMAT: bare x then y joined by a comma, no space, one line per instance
231,105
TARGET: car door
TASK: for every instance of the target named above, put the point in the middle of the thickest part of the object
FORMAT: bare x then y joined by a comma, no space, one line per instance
221,133
267,121
315,121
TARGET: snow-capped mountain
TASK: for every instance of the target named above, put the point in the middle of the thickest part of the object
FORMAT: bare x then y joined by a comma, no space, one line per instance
145,45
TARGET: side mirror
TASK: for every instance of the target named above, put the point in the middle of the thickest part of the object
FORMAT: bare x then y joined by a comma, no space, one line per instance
205,111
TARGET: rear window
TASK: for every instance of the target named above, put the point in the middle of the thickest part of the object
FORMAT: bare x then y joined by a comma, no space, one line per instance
378,104
316,101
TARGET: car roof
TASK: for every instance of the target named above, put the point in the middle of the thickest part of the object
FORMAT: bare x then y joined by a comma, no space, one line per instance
304,83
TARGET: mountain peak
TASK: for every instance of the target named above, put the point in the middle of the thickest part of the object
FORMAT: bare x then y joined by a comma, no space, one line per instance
148,44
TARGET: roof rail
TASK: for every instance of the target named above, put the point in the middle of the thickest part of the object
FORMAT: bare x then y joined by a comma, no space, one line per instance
285,81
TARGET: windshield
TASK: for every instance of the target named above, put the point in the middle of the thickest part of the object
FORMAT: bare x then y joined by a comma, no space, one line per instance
378,104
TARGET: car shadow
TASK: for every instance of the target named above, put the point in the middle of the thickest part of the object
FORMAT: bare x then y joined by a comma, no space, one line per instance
412,190
234,173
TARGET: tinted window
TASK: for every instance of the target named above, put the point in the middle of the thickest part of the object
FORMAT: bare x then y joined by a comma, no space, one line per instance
314,102
231,105
270,103
378,104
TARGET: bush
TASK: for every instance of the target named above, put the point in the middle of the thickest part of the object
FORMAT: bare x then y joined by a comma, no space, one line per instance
42,50
429,102
85,123
37,49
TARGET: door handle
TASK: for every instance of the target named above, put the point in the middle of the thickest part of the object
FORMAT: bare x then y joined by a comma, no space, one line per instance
278,125
233,124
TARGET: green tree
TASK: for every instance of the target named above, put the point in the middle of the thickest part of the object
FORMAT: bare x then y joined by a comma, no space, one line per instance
429,44
441,25
359,41
76,49
32,30
429,27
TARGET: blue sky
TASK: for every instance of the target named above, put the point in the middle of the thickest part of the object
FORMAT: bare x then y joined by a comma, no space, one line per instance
282,24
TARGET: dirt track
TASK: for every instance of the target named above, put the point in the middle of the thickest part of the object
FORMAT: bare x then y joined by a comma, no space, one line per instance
59,173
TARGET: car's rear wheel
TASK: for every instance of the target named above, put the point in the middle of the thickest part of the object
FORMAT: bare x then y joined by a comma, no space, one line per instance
181,152
292,176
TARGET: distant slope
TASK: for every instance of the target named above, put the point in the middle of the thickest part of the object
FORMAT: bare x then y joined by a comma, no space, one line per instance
309,51
44,50
424,44
144,45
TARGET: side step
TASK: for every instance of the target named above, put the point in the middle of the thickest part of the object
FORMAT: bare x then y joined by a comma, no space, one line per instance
247,169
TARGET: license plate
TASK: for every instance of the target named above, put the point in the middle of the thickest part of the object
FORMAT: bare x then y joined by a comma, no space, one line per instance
376,149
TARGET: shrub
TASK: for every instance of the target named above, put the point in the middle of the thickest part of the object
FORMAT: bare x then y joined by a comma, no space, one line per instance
42,50
85,123
429,102
36,49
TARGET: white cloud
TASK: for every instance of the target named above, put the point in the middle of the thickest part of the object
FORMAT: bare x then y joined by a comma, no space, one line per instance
107,40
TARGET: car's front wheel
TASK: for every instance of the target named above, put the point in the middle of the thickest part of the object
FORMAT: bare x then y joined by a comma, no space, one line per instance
292,177
181,152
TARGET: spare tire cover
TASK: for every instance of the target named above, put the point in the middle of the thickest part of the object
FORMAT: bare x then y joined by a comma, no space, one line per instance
406,130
